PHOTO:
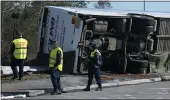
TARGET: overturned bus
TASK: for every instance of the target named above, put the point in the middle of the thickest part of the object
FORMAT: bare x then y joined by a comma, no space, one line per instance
125,39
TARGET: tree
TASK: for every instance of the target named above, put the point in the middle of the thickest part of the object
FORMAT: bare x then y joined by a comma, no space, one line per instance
103,4
30,12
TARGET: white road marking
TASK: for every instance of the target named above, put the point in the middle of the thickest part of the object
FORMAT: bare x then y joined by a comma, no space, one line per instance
132,97
140,92
127,95
102,98
161,88
162,92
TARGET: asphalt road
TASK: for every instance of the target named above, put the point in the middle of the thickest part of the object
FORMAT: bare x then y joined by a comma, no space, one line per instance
158,90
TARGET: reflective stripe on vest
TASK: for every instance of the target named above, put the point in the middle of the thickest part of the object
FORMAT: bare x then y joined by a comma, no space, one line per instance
53,59
93,53
20,51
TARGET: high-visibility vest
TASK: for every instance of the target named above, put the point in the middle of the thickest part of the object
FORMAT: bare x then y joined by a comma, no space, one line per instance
98,52
93,53
20,51
53,59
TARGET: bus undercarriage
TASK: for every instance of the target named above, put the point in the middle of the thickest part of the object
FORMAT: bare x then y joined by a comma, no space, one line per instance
125,42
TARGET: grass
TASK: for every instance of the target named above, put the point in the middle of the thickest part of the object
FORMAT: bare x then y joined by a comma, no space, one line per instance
35,76
159,60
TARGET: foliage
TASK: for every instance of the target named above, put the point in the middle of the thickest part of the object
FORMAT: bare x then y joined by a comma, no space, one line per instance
106,4
30,13
167,63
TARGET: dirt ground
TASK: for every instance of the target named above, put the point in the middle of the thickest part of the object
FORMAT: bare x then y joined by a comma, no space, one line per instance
105,76
27,76
135,76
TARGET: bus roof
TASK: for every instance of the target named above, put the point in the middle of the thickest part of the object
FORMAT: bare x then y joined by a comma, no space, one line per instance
88,11
111,12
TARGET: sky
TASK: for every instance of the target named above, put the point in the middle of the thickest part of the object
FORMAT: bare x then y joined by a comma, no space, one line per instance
149,6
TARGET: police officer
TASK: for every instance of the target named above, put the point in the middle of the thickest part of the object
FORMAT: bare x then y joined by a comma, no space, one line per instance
18,55
94,68
55,67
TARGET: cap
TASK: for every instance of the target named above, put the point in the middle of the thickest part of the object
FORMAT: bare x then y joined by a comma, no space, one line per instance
94,46
56,43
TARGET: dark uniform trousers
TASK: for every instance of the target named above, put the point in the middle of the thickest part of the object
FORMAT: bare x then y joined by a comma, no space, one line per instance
96,72
14,64
55,78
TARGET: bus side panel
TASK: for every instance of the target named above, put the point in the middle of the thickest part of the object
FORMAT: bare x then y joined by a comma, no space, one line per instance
39,34
61,29
58,26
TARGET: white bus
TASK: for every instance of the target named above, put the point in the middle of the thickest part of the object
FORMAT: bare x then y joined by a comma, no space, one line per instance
75,28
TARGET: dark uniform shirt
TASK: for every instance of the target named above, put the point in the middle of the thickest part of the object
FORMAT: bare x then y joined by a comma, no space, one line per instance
12,49
96,61
58,58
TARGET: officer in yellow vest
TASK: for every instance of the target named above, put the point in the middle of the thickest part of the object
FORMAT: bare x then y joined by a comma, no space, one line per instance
94,66
18,55
55,67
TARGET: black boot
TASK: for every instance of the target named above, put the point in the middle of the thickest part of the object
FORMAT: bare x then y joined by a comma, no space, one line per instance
20,78
54,92
99,88
86,89
59,91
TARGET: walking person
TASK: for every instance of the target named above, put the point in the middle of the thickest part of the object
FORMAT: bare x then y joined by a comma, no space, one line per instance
55,67
94,66
18,55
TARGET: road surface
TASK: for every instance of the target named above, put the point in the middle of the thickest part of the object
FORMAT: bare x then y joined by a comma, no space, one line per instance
158,90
